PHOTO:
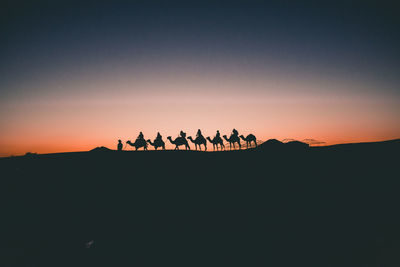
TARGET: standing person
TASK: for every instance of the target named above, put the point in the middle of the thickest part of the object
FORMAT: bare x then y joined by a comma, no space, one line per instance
119,145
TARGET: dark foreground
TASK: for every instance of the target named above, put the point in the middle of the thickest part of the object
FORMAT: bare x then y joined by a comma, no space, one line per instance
331,206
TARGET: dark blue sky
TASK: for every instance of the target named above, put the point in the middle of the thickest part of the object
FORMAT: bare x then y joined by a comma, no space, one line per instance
41,37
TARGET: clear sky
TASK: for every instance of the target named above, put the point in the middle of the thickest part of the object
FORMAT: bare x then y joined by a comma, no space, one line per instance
79,74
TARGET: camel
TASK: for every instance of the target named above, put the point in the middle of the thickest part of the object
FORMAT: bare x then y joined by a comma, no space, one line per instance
138,144
216,141
232,140
157,143
200,140
250,138
179,141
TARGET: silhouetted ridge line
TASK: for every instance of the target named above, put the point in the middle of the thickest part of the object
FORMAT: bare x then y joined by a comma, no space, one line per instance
273,144
395,143
309,141
100,149
297,144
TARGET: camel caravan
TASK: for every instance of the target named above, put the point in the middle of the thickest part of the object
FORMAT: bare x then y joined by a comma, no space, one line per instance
199,141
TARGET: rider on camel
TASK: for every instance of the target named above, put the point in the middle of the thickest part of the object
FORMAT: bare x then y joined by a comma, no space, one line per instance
218,135
159,137
140,137
182,134
235,133
199,134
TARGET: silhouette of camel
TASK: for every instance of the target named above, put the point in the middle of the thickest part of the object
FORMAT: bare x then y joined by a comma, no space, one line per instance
179,141
200,140
216,141
138,144
157,143
250,138
232,140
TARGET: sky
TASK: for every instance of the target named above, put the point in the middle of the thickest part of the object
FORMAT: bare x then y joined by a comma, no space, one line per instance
75,75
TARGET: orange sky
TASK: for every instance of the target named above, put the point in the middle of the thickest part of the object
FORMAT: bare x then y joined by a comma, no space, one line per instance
90,112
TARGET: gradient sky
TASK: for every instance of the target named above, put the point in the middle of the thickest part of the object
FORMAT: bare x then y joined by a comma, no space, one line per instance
76,75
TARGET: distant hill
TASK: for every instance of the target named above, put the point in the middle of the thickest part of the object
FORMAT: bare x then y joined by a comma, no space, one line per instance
100,149
273,144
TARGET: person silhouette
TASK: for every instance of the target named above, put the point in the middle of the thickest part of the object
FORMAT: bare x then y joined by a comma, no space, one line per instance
199,133
119,145
235,132
140,137
159,137
218,135
182,134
